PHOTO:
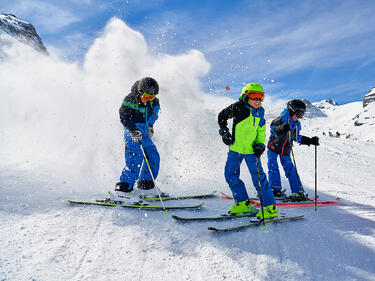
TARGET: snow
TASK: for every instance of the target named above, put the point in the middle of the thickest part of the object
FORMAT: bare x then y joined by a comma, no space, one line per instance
61,139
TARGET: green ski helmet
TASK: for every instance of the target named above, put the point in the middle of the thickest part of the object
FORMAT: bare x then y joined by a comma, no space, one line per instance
253,91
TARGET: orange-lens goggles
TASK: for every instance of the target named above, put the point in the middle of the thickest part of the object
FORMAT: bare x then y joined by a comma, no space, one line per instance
148,96
255,95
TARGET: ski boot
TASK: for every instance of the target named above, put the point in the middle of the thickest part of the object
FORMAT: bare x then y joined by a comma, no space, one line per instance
147,189
124,195
297,197
269,212
240,208
278,193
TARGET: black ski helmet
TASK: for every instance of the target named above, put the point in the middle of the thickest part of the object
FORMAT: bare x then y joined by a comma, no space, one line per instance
148,85
296,107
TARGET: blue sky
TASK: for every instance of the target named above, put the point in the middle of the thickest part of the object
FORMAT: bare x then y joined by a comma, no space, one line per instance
312,49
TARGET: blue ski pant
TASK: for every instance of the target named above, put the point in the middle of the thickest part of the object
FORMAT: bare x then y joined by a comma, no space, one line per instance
237,186
289,169
134,160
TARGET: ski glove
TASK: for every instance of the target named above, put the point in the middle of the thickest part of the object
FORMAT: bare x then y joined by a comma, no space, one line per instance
150,132
314,141
136,136
308,141
226,136
258,149
282,129
305,140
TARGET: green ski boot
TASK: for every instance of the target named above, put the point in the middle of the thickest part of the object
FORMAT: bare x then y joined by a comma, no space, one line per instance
269,212
240,208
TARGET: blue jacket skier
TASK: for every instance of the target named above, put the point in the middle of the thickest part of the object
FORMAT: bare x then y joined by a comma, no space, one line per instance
246,141
138,114
285,129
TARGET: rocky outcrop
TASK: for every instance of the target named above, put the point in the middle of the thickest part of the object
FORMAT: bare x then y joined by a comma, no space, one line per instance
369,97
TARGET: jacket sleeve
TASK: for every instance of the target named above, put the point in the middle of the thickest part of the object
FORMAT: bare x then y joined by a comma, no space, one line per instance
261,130
224,115
276,127
299,137
154,115
127,116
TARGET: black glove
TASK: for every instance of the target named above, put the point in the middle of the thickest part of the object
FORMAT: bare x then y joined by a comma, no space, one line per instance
226,136
305,140
258,149
136,135
282,129
314,141
150,132
308,141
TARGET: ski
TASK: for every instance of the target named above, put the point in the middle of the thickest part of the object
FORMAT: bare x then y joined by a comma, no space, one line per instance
166,198
226,196
300,204
136,206
214,218
254,223
308,203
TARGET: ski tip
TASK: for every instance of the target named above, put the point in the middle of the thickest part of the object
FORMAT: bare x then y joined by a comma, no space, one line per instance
177,218
212,228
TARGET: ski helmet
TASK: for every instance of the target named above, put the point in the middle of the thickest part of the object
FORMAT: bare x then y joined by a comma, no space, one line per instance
296,107
252,90
148,85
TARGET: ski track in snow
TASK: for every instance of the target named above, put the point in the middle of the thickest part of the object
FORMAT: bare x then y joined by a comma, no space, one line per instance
44,238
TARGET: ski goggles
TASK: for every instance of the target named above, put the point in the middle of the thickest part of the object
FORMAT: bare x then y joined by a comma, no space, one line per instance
148,97
299,113
255,95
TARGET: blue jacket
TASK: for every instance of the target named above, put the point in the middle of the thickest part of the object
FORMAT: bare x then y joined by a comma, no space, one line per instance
134,114
281,142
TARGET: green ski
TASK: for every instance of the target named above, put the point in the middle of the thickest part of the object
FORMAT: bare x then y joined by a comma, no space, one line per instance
254,223
214,218
166,198
136,206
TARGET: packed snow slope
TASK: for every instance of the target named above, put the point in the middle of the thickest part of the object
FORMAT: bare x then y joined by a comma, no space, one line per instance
61,139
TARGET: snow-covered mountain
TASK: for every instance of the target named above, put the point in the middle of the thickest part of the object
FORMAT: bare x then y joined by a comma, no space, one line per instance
355,120
324,104
21,31
313,111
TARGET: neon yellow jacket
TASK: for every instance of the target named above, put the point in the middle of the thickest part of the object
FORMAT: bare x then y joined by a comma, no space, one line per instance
249,126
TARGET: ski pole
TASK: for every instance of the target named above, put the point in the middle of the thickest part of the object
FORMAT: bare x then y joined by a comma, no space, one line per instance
260,193
295,166
316,177
152,176
294,160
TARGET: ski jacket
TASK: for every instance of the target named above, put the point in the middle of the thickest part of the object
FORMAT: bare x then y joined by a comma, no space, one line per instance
248,126
134,114
281,142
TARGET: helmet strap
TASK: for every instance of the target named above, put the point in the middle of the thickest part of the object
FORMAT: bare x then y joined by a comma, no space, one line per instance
245,99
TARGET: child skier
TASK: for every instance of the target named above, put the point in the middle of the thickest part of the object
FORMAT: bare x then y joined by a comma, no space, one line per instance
246,142
284,130
138,113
